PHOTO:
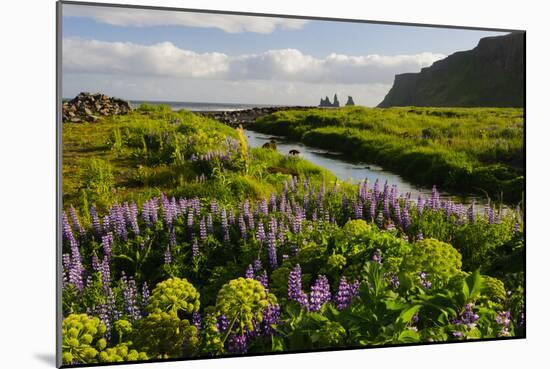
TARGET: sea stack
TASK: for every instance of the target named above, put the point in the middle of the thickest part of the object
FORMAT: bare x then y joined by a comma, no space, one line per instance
325,103
350,101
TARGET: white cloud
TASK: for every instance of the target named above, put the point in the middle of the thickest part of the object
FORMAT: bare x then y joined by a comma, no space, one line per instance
128,17
167,60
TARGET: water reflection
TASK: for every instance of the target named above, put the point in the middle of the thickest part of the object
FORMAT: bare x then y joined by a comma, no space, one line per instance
355,171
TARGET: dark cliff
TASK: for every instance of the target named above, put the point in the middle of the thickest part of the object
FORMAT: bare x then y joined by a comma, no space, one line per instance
491,74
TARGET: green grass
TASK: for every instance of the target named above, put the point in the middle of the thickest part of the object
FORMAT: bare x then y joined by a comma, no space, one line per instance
475,150
144,153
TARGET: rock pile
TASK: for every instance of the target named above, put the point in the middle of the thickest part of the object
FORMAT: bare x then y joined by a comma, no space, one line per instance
247,116
87,107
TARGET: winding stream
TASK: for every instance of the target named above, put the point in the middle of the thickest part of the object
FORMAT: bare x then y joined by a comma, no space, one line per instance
355,171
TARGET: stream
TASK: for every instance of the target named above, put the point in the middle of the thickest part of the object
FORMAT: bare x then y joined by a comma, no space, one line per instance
357,171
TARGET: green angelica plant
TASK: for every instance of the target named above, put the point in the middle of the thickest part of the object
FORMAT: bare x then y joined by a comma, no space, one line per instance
121,353
439,259
174,296
82,339
163,335
243,301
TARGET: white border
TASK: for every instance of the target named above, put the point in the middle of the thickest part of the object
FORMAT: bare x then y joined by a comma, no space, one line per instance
27,215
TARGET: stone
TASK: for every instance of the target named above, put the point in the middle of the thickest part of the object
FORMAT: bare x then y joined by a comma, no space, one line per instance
89,107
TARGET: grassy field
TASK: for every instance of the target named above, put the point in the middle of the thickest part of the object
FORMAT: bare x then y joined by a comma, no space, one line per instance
148,152
476,150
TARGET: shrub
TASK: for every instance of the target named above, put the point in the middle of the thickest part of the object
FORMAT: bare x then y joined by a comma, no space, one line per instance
175,296
163,335
438,259
83,338
242,301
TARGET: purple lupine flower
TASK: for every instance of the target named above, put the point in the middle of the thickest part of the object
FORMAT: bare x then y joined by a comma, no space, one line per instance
76,269
503,319
237,344
344,204
242,226
406,219
394,281
516,227
66,262
320,293
116,216
354,288
95,220
386,209
106,224
190,220
76,222
225,226
419,236
263,279
129,293
214,206
145,293
420,205
377,256
153,210
196,320
263,207
257,265
424,280
133,213
376,189
222,323
95,263
343,296
372,210
358,209
282,203
67,231
111,305
281,236
271,246
209,223
398,218
202,229
272,315
260,232
295,292
107,244
105,269
167,256
172,237
145,214
249,273
467,317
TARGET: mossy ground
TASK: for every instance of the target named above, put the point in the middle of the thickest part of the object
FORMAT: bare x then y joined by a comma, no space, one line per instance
469,150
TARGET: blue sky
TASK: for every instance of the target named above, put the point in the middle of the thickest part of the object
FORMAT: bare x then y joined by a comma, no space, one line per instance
153,55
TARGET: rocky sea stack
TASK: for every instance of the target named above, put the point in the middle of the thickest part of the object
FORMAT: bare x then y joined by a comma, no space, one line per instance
490,75
87,107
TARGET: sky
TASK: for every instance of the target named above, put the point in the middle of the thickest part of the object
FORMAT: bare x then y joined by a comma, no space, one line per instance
155,55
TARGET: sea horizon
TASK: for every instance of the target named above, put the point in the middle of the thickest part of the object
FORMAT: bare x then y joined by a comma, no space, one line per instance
201,105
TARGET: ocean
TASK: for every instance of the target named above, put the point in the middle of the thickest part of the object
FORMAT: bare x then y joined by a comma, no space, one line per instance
200,106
